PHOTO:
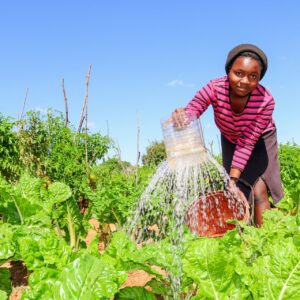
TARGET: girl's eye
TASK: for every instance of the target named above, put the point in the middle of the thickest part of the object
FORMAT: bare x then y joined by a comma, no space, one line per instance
239,74
253,77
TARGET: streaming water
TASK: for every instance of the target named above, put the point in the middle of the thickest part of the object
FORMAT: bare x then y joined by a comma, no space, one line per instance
189,190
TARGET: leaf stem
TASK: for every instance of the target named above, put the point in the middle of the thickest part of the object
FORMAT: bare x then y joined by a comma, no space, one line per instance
71,228
19,211
117,218
287,281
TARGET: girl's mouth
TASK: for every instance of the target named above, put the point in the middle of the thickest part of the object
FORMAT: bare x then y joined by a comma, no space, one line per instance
241,89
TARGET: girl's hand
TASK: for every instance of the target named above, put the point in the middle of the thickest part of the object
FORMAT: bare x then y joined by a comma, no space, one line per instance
232,187
180,118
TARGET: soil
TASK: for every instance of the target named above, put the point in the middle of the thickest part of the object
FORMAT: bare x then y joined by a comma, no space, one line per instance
19,278
137,278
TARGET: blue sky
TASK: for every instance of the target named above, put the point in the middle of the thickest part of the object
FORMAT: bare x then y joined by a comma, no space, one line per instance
148,57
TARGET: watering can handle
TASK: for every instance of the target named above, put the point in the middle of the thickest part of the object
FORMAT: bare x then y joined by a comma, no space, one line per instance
245,183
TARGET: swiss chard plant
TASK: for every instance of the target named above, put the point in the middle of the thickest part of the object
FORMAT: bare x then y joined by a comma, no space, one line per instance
289,156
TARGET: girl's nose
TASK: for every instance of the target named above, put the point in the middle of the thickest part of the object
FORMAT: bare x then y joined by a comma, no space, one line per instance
245,79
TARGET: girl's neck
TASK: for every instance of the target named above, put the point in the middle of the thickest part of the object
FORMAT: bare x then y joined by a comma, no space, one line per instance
238,103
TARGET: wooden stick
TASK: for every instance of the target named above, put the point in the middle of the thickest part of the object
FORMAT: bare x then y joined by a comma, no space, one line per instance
86,129
137,149
66,102
85,99
25,100
107,128
119,154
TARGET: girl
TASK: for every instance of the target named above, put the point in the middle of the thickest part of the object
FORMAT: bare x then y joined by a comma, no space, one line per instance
243,113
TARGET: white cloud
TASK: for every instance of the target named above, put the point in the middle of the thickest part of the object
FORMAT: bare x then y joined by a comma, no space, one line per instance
179,82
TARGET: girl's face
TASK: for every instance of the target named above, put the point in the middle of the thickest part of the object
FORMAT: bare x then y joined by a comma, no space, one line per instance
244,76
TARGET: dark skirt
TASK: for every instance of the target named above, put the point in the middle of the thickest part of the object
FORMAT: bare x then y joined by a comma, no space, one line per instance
263,163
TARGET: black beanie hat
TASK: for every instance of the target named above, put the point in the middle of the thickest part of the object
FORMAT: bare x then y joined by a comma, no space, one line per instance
236,51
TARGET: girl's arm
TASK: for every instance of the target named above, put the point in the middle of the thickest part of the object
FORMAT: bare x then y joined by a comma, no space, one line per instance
201,100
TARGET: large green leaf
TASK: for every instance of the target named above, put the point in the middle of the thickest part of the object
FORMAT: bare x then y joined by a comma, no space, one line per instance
58,192
286,225
87,278
5,190
41,283
279,271
127,256
5,283
136,292
7,245
40,247
210,267
8,210
120,246
28,188
159,254
3,295
20,201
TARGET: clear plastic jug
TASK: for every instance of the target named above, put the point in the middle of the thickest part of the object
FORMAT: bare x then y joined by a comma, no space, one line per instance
184,145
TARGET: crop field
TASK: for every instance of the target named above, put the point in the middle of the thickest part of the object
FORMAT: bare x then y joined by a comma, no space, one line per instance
64,210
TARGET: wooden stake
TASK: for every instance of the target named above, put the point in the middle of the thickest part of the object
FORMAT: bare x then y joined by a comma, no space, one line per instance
86,131
66,103
137,149
83,114
22,112
107,128
119,154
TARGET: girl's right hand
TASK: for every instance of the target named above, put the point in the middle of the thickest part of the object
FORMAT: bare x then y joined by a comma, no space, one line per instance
180,118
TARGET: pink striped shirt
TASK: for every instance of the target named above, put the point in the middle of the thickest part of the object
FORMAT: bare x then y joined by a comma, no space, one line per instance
242,129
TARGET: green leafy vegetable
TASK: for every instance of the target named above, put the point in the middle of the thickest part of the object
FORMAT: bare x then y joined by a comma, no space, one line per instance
136,292
5,283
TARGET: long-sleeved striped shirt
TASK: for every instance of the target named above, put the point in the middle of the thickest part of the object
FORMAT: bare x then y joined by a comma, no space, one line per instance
242,129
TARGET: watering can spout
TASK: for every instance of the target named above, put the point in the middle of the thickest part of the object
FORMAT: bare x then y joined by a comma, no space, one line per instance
184,144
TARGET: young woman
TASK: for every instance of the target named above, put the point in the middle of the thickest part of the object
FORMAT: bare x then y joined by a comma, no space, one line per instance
243,112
